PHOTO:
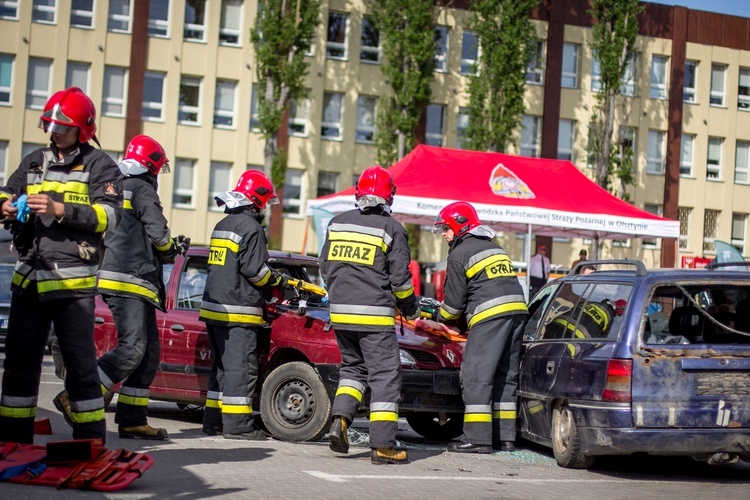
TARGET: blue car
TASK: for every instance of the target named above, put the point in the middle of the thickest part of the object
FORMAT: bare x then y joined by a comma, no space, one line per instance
626,360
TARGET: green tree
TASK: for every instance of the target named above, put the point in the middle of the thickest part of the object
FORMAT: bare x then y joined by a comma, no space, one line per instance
508,43
407,35
614,34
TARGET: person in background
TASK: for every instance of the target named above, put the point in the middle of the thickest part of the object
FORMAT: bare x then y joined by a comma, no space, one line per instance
582,256
538,270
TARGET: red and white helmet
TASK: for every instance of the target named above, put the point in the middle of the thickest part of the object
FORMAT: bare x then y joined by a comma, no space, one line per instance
253,188
377,182
68,109
460,217
143,155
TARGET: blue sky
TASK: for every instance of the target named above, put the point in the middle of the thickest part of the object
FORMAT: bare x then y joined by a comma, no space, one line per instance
734,7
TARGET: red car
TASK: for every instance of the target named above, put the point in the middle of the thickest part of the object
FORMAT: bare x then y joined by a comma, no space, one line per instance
299,356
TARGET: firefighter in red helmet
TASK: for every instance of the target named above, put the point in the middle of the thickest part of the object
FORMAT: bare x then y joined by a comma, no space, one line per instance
481,285
233,306
74,192
365,264
130,282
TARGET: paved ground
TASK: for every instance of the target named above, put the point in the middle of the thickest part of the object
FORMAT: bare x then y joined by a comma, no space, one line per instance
194,466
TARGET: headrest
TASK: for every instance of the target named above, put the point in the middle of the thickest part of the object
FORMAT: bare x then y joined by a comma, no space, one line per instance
686,321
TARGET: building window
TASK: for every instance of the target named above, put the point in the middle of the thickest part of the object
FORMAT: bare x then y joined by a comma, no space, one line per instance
230,25
530,135
566,139
686,155
655,152
333,104
713,163
293,192
739,221
690,86
298,118
44,11
37,83
3,160
742,163
77,75
743,92
9,9
195,20
224,113
718,74
596,74
82,14
441,49
569,66
535,69
338,26
462,127
120,14
435,125
629,85
115,84
158,18
153,96
219,181
254,115
184,183
366,113
658,77
6,78
190,97
710,230
655,210
629,143
683,215
369,46
328,183
469,53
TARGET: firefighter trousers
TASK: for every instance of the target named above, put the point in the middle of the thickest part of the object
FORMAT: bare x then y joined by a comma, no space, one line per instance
231,383
135,359
29,327
489,378
370,359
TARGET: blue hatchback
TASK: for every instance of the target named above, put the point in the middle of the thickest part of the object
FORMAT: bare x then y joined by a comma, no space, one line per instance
627,360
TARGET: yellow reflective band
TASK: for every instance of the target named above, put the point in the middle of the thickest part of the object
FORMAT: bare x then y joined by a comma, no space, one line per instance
88,416
127,204
477,417
81,199
403,294
64,187
213,403
499,309
351,391
535,408
263,280
495,265
101,217
128,287
236,409
66,284
233,318
132,400
225,243
27,412
166,246
383,416
504,414
358,238
20,280
357,319
33,189
446,315
572,349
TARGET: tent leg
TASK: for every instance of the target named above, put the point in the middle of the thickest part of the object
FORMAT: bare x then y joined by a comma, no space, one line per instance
527,258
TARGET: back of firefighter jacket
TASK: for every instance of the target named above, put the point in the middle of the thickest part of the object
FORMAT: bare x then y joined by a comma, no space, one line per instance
365,264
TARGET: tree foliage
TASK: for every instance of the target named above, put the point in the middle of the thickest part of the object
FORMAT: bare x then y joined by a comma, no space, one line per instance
496,91
614,34
408,43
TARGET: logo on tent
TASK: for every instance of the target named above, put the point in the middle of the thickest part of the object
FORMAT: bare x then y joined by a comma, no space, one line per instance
504,182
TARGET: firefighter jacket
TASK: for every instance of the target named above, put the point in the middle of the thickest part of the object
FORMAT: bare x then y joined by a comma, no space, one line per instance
480,282
237,270
131,266
365,264
63,255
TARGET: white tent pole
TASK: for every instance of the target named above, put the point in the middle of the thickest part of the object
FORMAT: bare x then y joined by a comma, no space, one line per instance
527,257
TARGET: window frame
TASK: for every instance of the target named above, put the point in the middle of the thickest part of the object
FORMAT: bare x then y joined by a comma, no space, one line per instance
335,126
69,77
159,28
440,60
226,33
220,112
10,4
110,100
717,169
574,75
254,105
154,105
536,70
190,109
9,88
655,87
652,160
536,136
684,239
289,201
569,154
178,191
708,241
369,49
715,95
322,174
656,209
629,82
212,189
84,14
294,120
743,100
739,243
40,94
463,115
434,138
36,9
334,46
469,66
690,94
683,164
364,129
126,19
188,29
739,168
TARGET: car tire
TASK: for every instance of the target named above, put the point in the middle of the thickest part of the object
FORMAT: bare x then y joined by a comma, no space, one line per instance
428,425
294,404
566,443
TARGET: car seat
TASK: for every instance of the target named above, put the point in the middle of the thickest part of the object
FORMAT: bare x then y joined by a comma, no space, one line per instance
687,321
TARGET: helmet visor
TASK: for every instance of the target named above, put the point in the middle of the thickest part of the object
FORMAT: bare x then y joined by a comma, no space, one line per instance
165,168
440,228
56,128
273,200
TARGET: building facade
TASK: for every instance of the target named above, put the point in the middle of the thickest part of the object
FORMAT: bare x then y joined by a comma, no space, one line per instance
183,71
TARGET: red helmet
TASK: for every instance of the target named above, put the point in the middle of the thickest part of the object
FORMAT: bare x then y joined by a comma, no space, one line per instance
620,305
376,181
148,153
256,187
68,109
460,217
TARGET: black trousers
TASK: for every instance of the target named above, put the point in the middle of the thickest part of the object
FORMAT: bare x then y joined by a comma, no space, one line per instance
28,328
535,284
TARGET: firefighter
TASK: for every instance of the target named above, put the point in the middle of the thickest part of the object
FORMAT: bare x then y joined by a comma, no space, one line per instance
480,284
233,306
130,282
365,264
74,192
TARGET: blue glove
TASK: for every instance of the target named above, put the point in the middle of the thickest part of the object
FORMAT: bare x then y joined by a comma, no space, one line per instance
23,209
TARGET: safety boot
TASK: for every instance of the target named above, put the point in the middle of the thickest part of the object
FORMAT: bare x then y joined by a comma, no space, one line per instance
383,456
62,403
338,438
142,432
